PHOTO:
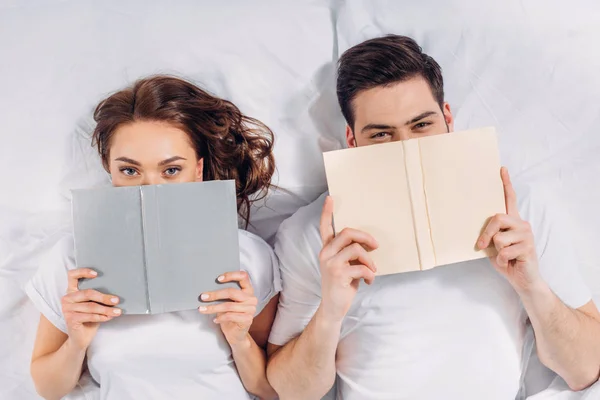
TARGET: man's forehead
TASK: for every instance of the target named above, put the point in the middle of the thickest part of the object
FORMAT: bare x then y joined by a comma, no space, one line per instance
400,102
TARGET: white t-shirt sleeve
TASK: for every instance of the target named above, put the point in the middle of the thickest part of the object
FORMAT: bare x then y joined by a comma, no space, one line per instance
558,259
297,245
49,284
259,261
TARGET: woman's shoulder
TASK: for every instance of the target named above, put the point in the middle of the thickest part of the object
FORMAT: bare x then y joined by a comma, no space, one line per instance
258,259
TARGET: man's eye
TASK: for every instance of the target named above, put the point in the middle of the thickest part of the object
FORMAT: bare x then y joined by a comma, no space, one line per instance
172,171
128,171
380,135
422,125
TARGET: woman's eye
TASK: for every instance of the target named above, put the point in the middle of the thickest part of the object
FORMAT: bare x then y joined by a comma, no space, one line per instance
129,171
172,171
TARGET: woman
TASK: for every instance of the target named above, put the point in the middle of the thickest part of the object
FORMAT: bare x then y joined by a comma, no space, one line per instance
165,130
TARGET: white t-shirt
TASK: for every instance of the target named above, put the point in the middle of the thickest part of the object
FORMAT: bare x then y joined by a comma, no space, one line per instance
177,355
453,332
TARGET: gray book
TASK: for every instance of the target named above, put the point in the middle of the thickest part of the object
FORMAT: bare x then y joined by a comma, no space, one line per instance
157,247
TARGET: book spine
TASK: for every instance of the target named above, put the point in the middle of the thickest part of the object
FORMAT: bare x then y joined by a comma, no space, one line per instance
418,199
146,246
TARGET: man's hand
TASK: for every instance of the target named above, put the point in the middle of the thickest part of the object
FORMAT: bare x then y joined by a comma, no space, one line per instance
517,259
344,261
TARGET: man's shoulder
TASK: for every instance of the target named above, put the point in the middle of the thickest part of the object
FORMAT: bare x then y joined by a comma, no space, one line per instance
537,205
305,220
298,241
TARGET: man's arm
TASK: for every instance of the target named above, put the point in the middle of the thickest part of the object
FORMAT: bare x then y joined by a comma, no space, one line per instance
304,368
568,340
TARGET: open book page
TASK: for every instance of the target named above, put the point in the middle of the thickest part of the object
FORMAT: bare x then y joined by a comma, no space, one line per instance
463,191
370,193
108,236
192,238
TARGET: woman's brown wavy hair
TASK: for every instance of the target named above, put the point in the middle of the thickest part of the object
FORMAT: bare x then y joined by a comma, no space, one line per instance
232,145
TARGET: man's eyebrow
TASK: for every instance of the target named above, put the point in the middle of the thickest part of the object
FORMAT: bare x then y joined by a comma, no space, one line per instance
170,160
371,127
128,160
420,117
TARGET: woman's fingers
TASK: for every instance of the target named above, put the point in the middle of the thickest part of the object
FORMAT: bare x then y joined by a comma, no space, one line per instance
228,294
238,276
92,308
74,275
74,318
228,307
239,318
81,296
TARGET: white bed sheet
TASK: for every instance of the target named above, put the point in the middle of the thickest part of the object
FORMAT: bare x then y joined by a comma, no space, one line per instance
529,68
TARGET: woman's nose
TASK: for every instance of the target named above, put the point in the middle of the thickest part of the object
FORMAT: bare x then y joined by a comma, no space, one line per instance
151,179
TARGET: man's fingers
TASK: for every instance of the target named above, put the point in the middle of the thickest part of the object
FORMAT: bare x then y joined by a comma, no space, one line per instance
74,275
497,223
92,308
240,277
326,224
227,294
81,296
354,252
347,237
510,196
514,252
508,238
361,272
228,307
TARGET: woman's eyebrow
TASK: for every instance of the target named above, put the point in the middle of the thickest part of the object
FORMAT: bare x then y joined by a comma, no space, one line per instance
128,160
170,160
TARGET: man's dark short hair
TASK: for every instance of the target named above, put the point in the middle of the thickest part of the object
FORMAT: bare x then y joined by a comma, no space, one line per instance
384,61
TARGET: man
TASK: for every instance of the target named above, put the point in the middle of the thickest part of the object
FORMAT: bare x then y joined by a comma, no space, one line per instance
453,332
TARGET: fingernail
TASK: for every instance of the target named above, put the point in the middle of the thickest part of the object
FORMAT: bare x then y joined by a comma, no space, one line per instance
117,311
202,308
204,297
114,300
220,278
93,273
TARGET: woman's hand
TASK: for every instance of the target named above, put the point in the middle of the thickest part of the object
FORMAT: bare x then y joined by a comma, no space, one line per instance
235,316
85,309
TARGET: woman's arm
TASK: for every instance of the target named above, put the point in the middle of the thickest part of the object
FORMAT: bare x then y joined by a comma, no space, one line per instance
56,363
250,356
57,359
246,335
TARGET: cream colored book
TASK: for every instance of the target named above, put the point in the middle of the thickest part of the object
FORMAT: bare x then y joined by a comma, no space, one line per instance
426,200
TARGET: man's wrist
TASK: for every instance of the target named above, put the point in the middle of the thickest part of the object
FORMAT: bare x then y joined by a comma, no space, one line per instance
327,321
534,291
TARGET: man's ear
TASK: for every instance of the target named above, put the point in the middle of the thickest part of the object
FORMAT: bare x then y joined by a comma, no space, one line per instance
448,117
199,170
350,138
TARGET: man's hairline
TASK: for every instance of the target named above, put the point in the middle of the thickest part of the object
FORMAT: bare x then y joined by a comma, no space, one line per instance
385,85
